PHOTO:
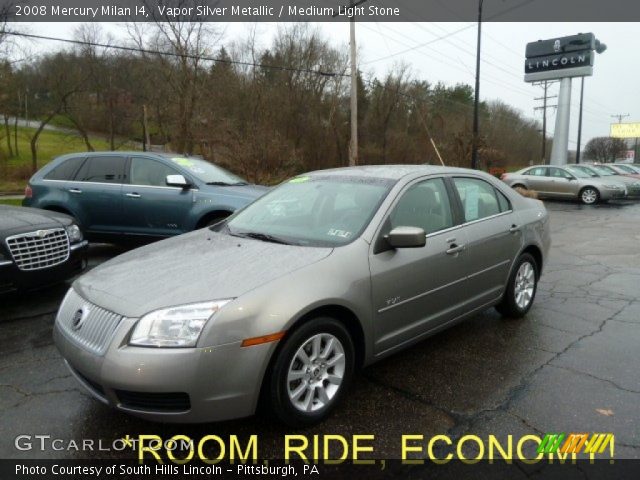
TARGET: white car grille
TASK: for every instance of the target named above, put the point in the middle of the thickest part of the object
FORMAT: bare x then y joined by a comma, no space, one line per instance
39,249
89,326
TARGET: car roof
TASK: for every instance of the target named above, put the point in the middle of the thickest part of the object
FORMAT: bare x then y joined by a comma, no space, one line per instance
390,172
128,153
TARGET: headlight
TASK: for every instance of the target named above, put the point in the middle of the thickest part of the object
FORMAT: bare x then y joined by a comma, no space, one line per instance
175,326
74,233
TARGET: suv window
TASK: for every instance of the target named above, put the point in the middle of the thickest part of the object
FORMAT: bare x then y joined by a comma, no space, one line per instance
478,198
145,171
425,205
66,170
104,169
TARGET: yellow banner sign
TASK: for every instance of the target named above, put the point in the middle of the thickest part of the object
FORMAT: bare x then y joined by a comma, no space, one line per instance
625,130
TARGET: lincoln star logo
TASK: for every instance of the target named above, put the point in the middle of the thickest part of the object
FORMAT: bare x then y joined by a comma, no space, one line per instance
79,318
556,46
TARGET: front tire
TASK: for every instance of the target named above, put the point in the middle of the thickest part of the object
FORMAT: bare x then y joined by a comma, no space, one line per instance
589,196
521,288
312,372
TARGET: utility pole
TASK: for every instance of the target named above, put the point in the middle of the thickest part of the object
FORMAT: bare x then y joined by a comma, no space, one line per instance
476,104
353,148
620,116
544,107
578,149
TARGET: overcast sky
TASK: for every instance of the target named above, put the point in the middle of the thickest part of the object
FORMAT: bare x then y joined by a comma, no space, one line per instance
614,87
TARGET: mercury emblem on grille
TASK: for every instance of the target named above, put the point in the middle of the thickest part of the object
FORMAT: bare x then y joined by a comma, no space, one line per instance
78,318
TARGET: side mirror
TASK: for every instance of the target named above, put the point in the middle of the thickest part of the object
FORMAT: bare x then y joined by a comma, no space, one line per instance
406,237
177,181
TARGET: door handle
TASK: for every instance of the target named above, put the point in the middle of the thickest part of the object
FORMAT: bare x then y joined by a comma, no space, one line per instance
453,249
133,195
514,229
75,190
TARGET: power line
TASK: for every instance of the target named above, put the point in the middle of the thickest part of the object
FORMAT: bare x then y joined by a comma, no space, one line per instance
178,55
620,116
437,39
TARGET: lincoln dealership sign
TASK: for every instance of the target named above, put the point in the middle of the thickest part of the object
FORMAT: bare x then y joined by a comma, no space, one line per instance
563,57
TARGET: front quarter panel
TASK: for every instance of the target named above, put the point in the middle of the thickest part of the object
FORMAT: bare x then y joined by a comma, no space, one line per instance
341,279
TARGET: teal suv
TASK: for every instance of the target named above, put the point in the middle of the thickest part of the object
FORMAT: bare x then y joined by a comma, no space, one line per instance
116,194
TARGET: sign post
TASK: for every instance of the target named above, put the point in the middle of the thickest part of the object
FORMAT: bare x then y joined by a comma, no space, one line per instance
561,59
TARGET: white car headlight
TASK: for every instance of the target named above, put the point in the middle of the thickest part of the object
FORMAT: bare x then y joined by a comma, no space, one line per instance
74,233
178,326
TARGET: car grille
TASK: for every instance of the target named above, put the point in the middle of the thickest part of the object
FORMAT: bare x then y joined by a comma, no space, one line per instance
40,249
89,326
155,402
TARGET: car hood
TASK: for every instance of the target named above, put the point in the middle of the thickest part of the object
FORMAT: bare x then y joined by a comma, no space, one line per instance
609,179
22,218
199,266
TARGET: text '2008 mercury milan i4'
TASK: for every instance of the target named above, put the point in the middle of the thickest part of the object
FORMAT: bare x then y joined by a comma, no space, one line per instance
282,301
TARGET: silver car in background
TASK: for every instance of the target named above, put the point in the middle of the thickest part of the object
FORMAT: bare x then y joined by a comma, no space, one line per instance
607,174
567,182
285,299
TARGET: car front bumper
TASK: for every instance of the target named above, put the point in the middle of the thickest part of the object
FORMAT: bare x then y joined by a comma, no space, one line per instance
181,385
12,278
612,194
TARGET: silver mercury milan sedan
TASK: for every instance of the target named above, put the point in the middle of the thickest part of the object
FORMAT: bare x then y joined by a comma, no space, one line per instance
280,303
570,182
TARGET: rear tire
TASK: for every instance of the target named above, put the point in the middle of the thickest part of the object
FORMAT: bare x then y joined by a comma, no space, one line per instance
589,195
521,288
312,371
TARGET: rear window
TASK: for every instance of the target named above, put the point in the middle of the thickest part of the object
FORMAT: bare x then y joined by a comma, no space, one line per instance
66,170
107,169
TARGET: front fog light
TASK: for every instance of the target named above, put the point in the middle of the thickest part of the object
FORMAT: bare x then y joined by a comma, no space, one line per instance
74,233
179,326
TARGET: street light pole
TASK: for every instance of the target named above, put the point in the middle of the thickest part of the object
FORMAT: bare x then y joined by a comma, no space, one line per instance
476,105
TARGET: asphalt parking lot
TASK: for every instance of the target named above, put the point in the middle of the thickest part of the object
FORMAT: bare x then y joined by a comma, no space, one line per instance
573,364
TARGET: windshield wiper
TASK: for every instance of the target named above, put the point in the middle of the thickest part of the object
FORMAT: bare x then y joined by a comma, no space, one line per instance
227,184
261,236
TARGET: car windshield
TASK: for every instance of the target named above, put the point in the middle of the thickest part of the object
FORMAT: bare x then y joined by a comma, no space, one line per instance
627,168
320,211
604,171
207,172
577,172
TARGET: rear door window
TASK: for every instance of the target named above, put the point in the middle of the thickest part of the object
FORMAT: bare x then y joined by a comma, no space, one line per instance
66,170
103,169
538,172
479,199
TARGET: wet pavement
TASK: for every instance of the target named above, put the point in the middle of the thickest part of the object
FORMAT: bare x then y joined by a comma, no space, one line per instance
573,364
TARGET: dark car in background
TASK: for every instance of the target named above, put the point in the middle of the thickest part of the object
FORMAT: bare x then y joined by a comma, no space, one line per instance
140,194
38,248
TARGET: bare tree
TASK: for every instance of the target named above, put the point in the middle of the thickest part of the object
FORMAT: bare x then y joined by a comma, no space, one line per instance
605,149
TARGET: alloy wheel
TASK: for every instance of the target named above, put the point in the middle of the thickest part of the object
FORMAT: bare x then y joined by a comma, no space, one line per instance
589,196
316,372
525,285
